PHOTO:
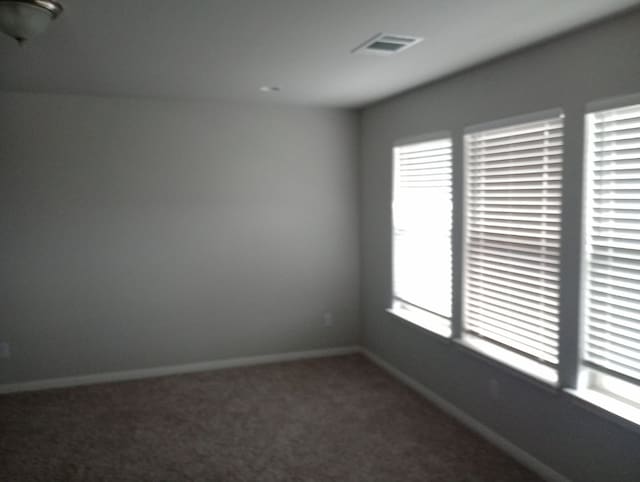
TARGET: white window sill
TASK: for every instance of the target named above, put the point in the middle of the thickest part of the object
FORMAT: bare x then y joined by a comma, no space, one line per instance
607,406
423,319
522,366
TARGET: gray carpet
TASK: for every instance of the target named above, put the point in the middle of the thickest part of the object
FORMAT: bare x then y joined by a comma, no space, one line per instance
334,419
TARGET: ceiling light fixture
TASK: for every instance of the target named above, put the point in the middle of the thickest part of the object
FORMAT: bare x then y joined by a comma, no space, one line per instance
24,19
269,88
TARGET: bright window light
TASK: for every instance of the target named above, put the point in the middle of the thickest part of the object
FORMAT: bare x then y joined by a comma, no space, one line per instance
612,258
422,209
512,241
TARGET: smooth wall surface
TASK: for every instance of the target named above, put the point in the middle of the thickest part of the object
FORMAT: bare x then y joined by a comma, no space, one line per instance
137,234
598,62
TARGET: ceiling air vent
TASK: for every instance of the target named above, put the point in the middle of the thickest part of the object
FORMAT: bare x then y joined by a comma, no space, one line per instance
386,44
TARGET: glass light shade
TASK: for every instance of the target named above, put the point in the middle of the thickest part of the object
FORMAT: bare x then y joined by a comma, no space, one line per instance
23,21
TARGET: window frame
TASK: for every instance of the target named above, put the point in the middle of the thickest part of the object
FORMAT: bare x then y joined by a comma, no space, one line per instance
573,380
396,306
536,371
591,384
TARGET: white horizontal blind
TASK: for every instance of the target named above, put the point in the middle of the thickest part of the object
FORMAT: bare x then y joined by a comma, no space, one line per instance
512,237
612,289
422,210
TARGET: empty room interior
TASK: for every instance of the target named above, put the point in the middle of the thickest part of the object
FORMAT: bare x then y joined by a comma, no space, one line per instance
318,241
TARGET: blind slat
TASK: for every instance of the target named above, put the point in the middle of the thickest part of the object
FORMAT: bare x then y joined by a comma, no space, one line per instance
422,235
524,337
513,231
504,304
612,291
529,349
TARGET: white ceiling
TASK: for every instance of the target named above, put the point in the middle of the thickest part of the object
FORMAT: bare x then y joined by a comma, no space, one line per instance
198,49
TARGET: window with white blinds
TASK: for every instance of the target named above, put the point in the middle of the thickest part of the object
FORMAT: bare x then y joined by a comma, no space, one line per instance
612,264
512,241
422,210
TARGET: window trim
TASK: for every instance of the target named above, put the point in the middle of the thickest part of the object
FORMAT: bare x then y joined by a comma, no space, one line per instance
405,317
392,303
510,360
571,386
602,406
474,343
585,389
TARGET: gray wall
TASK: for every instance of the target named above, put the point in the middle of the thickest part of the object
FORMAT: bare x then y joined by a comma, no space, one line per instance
600,61
144,233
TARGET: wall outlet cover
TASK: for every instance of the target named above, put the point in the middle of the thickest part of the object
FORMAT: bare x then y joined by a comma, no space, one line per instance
327,318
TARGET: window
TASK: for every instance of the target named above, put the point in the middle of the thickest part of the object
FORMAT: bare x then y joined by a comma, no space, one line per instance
611,351
422,208
512,242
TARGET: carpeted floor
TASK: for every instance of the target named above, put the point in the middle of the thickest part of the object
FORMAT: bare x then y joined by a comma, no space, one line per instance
335,419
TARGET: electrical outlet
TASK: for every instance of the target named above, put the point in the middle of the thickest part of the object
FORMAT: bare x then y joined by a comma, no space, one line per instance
327,318
5,350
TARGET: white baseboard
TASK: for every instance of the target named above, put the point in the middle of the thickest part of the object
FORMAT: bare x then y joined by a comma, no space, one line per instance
516,452
174,369
485,432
